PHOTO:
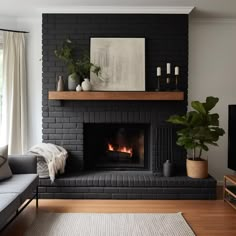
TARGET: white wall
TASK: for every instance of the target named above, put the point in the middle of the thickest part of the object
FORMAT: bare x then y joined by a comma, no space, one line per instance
7,22
212,66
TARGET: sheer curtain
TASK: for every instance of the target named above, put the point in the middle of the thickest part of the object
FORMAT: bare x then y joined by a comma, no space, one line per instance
14,112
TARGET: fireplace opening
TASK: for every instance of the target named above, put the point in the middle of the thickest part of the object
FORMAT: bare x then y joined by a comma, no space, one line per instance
116,146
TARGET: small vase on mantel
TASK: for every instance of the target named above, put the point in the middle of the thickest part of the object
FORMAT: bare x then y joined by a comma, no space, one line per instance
60,83
86,85
73,81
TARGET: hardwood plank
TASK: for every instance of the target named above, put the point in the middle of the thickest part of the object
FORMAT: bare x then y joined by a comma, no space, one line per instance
118,96
231,178
206,217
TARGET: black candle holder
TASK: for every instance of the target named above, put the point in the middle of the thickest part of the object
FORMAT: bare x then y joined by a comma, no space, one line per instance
168,82
176,83
158,83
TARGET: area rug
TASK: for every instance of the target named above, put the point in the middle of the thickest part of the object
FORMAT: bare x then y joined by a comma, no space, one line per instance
115,224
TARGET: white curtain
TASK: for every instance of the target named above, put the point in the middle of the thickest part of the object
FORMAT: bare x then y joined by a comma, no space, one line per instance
14,122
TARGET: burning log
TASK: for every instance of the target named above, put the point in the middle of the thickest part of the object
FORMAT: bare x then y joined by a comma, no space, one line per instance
122,149
119,156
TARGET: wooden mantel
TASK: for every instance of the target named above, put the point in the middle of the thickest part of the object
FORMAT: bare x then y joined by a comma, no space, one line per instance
117,95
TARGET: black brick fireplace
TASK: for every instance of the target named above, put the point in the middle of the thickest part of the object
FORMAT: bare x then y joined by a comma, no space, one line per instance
166,39
71,123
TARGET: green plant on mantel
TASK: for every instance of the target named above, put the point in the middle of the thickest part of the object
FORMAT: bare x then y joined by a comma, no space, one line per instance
85,66
201,128
82,66
67,54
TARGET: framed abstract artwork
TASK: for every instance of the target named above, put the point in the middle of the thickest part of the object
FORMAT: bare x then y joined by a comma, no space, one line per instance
122,62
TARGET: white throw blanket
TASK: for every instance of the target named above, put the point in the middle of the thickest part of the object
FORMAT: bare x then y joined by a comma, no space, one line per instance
55,157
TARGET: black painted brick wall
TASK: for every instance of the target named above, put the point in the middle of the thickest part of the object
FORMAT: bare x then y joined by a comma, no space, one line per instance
166,41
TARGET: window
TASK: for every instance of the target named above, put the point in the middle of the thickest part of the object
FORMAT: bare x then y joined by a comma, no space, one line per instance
1,79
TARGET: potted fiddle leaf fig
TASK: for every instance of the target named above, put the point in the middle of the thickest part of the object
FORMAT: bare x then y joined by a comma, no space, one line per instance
67,54
200,128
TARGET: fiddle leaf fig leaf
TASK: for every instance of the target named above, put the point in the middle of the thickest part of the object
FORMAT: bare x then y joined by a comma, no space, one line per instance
194,118
186,142
219,131
198,106
178,120
213,119
210,103
205,148
184,132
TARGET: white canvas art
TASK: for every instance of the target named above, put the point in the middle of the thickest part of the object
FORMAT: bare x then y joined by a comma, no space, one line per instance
122,62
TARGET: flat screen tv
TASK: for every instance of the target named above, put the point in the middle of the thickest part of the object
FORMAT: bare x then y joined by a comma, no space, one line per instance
232,138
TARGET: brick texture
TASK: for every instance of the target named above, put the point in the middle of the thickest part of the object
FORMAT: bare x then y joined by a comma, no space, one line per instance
166,41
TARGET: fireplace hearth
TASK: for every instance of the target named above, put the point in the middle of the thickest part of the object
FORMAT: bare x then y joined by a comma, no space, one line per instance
116,146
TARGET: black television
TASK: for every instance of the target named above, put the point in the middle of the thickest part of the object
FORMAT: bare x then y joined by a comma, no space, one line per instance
232,138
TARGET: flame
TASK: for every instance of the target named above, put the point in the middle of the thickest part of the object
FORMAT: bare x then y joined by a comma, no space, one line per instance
121,149
110,148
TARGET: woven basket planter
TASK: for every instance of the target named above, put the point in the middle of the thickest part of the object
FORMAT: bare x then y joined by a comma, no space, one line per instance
197,168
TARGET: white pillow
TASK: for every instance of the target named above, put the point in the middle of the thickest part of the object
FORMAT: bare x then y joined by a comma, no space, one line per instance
5,171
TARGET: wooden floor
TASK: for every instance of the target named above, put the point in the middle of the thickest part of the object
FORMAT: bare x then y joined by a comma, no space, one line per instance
206,217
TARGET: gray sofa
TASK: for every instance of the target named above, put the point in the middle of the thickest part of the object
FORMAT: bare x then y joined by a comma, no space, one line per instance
16,190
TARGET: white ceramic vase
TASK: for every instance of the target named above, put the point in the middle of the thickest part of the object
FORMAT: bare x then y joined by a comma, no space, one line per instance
86,85
73,81
78,88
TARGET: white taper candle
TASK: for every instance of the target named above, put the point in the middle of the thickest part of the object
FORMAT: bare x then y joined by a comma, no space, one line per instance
167,68
176,70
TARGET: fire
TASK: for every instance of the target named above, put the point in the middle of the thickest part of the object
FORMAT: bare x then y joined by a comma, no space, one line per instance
121,149
110,148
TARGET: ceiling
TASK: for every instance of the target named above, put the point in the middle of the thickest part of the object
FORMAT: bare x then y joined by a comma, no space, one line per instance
203,8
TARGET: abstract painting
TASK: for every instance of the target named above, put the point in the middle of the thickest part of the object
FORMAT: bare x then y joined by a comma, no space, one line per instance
122,62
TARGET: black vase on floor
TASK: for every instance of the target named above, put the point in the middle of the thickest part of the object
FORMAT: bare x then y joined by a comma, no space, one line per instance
168,168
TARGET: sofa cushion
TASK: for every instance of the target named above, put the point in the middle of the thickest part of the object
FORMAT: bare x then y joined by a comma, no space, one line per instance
23,164
9,203
5,171
23,184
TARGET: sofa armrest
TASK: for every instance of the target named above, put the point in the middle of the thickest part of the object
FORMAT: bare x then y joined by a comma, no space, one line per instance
23,164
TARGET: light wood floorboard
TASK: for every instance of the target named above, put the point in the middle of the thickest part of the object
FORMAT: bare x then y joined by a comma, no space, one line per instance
206,217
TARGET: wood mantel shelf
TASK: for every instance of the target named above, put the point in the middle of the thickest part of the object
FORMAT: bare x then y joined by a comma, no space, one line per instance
116,96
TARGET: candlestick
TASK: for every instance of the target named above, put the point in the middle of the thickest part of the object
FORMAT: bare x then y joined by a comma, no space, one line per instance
158,71
176,70
176,83
158,83
167,68
167,80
